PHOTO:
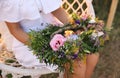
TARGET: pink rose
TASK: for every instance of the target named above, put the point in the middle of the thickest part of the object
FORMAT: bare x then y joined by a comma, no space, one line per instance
57,41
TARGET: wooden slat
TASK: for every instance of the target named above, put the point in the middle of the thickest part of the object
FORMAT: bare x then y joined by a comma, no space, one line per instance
112,13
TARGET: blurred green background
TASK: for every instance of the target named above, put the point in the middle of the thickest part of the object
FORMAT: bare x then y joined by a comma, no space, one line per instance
109,63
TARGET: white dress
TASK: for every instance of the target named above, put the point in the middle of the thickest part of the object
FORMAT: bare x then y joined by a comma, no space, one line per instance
32,14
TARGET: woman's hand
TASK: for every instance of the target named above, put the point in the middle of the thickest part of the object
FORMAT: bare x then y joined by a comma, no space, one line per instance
16,30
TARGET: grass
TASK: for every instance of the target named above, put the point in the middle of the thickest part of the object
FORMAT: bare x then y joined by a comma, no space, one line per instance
109,63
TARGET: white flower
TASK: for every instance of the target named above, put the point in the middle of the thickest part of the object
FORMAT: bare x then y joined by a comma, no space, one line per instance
97,34
92,21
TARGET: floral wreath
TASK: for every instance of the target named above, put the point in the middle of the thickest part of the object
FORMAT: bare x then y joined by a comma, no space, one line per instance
62,45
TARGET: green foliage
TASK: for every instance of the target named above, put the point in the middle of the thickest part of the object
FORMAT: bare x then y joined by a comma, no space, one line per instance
10,61
9,75
77,45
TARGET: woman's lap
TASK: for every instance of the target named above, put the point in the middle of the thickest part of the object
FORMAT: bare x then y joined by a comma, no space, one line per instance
26,58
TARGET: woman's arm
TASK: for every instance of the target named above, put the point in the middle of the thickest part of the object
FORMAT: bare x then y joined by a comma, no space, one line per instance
17,32
61,15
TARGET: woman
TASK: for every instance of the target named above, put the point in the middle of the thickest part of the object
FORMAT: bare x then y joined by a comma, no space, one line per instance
22,15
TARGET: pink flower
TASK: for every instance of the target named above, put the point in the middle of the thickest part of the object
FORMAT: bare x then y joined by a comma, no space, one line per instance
84,17
57,41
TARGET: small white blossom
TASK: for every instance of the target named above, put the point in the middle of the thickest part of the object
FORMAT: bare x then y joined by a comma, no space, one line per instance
92,21
73,37
97,34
